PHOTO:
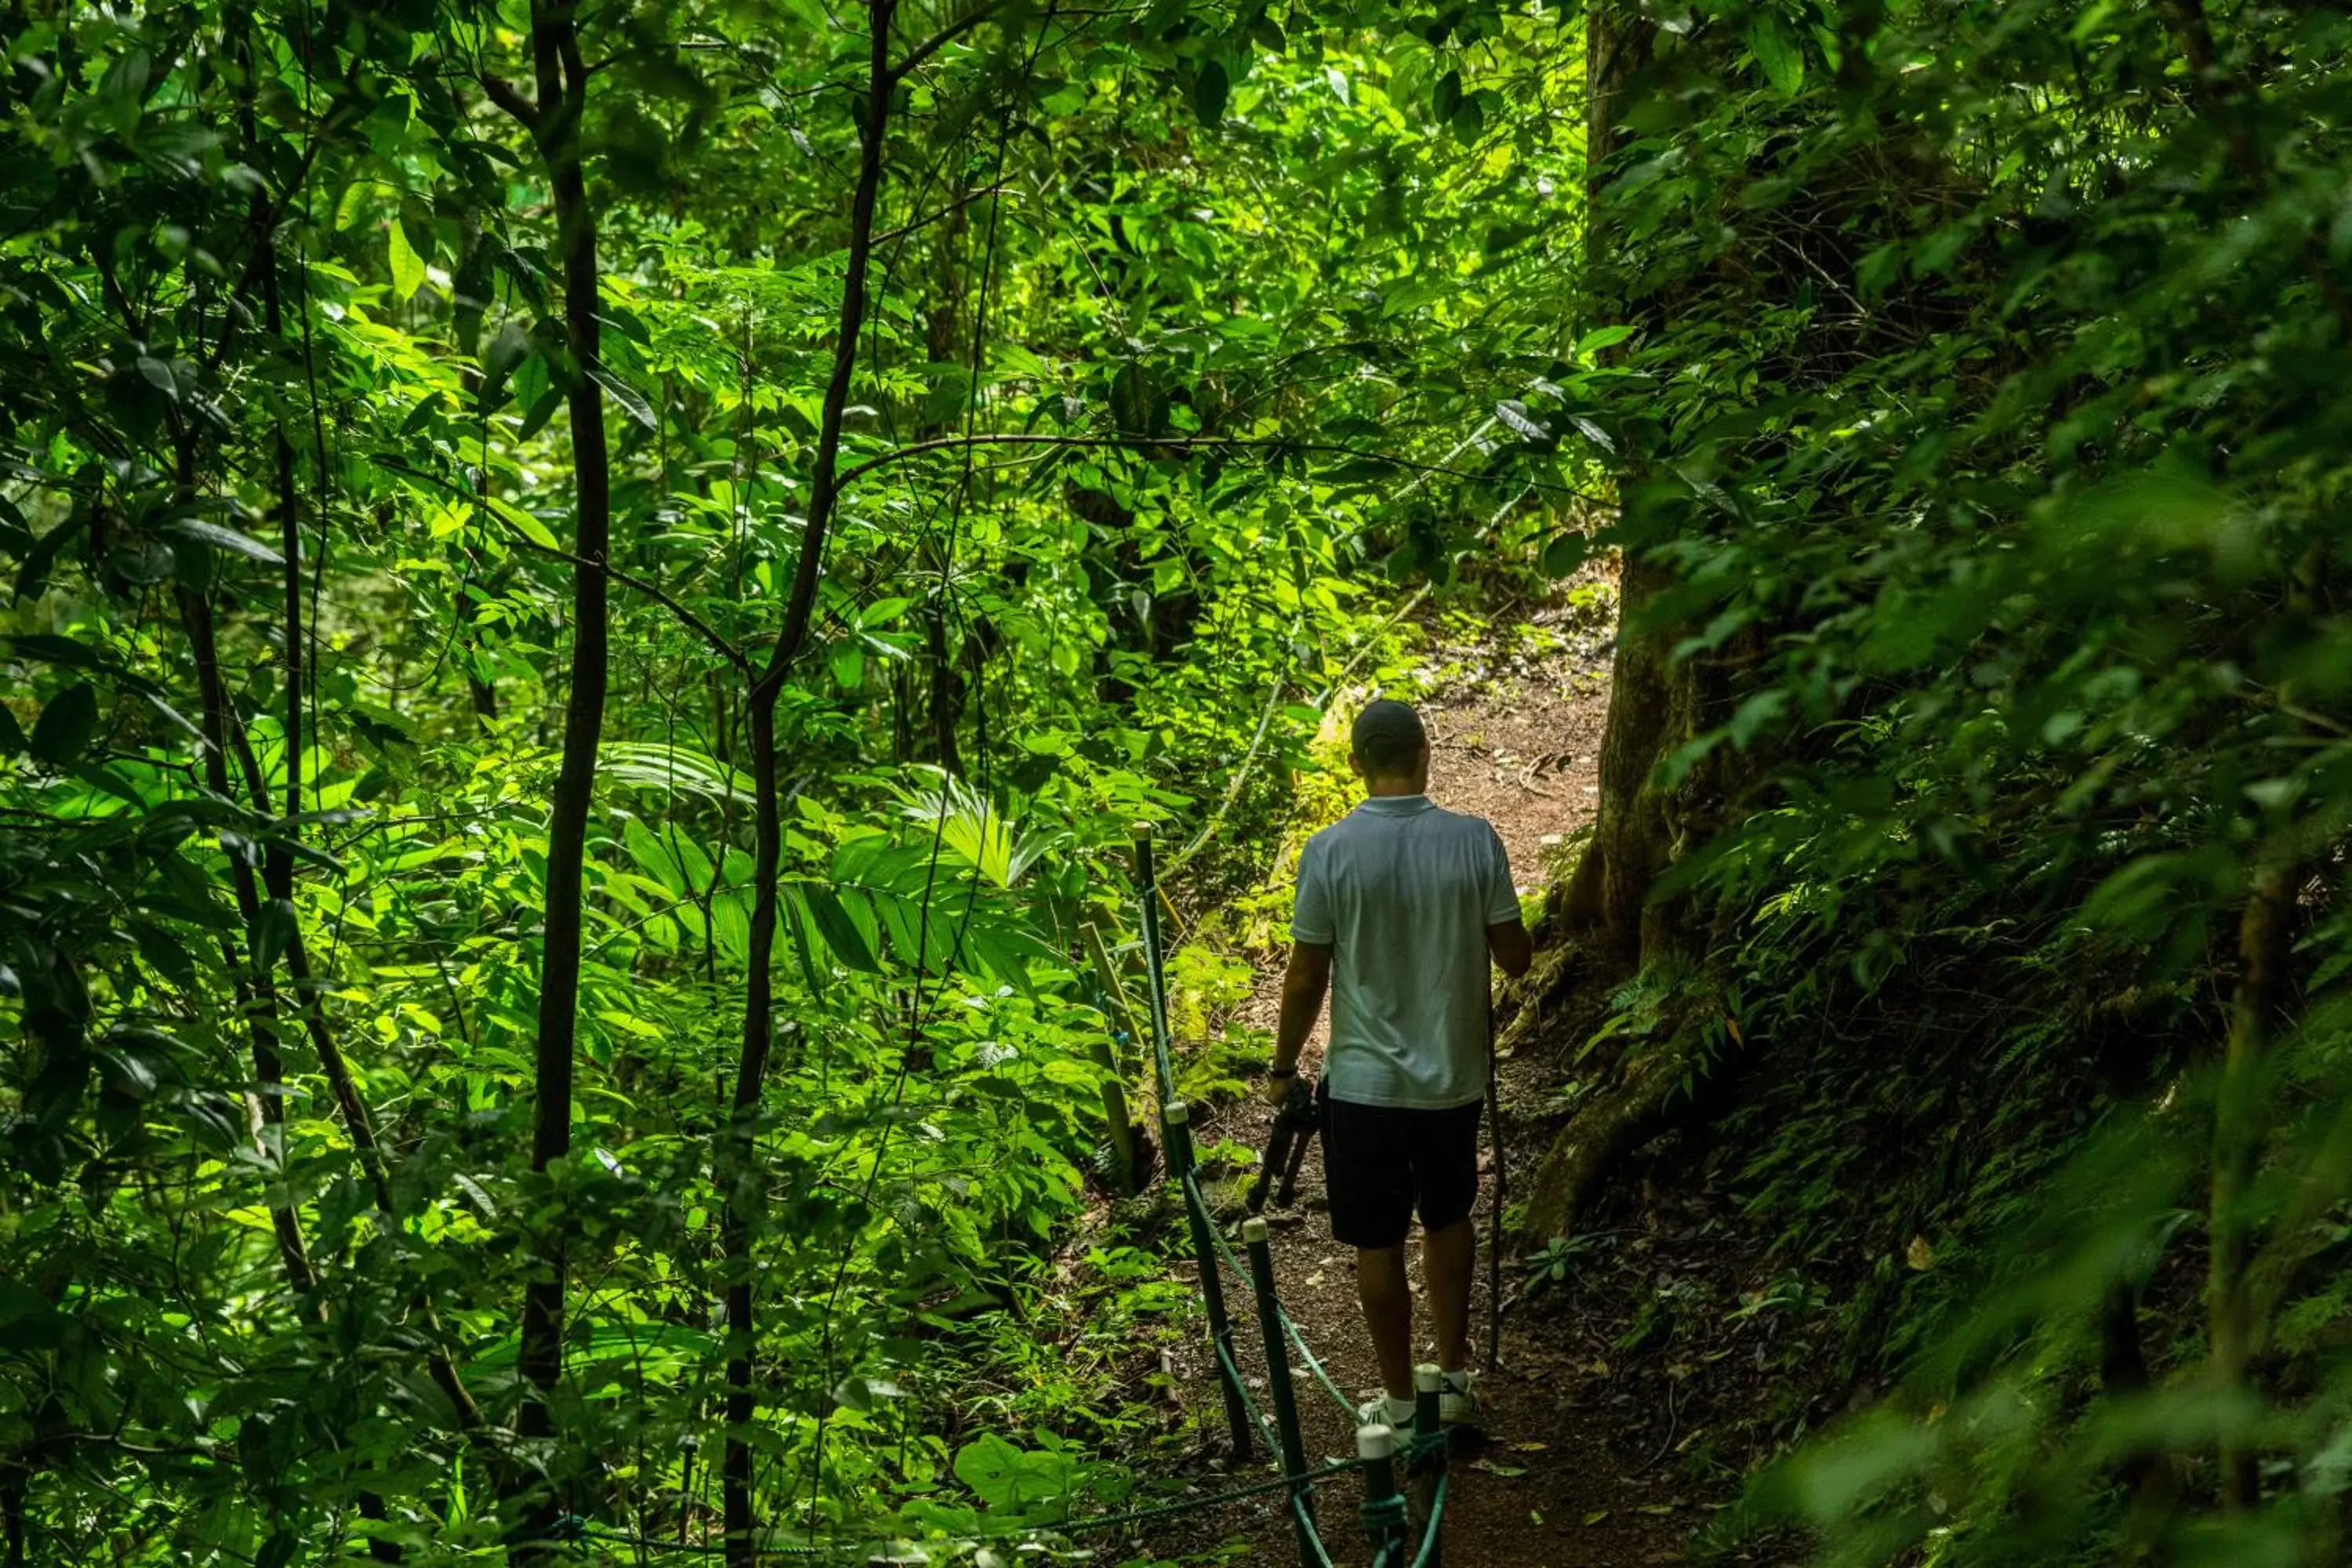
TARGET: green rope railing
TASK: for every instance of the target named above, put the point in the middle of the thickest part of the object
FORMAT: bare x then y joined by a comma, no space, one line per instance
1290,1324
1385,1510
1427,1556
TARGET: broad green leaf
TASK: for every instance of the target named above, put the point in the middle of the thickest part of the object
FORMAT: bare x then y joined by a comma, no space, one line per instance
407,267
1445,98
522,521
631,400
68,720
1778,52
1563,554
1210,87
220,538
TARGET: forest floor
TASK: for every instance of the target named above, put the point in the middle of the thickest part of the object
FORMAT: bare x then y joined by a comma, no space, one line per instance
1571,1465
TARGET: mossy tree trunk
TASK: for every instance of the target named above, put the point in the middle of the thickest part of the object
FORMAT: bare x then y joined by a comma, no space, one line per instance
1656,703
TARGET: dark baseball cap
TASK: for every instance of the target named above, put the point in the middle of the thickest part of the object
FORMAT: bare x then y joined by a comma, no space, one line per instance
1387,737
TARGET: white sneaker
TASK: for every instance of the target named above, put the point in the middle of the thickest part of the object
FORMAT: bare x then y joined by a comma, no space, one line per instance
1380,1409
1455,1402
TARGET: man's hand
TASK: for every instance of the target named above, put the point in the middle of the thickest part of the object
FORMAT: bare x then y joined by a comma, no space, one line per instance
1304,982
1510,947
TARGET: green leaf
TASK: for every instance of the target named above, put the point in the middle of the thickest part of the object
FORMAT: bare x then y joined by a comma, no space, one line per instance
522,521
1445,98
1599,338
1006,1477
407,267
848,662
66,724
839,931
1564,554
864,1393
542,409
1777,51
631,400
1470,120
1210,90
220,538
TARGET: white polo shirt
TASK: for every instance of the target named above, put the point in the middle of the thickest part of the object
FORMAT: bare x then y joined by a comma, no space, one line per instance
1403,892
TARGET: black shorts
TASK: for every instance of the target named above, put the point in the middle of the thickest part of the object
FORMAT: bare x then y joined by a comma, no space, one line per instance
1382,1161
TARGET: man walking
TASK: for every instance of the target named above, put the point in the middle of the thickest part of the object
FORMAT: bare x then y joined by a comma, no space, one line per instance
1400,907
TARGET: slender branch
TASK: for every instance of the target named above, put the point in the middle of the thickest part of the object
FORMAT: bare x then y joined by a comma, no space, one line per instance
1188,444
904,229
654,591
562,84
508,96
941,39
718,645
733,1161
826,480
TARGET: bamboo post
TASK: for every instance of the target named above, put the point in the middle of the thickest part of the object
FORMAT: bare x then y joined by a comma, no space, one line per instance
1107,972
1177,1120
1383,1504
1155,982
1119,1118
1428,1391
1127,1166
1278,1374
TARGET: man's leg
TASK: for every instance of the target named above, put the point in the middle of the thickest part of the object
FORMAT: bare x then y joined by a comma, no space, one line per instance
1366,1170
1445,1166
1387,1297
1449,1258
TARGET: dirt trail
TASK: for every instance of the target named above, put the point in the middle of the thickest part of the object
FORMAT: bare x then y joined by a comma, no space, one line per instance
1514,741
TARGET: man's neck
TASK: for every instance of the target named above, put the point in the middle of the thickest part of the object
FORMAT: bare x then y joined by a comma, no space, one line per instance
1388,789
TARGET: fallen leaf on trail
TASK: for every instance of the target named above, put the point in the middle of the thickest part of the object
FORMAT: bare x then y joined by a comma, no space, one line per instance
1314,1279
1535,1516
1920,1256
1596,1516
1657,1507
1529,1447
1493,1469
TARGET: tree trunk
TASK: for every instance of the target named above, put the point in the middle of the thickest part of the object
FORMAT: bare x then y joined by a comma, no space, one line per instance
738,1162
2263,940
12,1513
1606,904
1605,909
737,1168
256,996
560,76
1602,907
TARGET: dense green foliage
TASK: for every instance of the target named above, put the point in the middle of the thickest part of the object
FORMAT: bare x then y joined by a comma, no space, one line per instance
594,594
1986,447
1002,419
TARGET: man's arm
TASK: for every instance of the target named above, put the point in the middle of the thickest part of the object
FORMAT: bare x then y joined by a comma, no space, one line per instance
1510,946
1506,933
1304,984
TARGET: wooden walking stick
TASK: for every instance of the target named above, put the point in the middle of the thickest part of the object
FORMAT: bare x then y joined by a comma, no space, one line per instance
1495,1218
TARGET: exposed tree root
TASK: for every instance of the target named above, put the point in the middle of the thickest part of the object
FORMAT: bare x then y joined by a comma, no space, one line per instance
1650,1090
1538,996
